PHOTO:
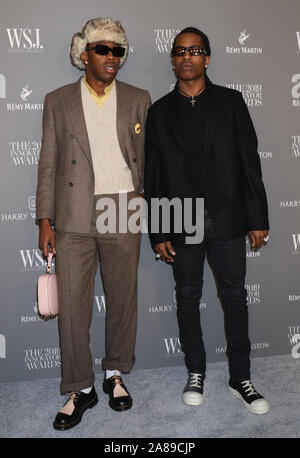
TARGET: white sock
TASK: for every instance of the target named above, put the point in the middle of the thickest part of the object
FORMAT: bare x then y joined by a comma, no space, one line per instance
87,390
111,373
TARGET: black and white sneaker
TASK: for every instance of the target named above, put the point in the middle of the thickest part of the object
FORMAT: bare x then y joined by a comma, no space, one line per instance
252,400
193,391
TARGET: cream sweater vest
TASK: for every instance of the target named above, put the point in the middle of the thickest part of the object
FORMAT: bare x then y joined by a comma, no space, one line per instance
112,174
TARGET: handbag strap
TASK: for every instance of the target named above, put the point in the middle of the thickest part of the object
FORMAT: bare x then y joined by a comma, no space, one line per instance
49,258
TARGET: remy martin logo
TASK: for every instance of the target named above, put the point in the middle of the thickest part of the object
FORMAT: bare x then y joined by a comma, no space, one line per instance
25,93
242,49
296,90
243,37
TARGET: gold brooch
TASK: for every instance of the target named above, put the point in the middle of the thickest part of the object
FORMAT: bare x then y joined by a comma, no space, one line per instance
137,128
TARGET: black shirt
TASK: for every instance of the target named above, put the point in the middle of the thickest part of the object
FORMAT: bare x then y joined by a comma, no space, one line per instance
192,122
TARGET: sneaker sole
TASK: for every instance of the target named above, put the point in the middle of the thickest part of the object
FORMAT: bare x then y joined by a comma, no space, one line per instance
258,411
191,401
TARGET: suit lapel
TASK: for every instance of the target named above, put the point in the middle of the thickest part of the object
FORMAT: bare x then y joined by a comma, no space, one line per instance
74,107
122,118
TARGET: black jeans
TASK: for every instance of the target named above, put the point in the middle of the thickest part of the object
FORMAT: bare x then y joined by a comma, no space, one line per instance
228,262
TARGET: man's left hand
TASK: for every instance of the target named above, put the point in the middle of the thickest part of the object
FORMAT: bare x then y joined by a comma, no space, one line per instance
257,238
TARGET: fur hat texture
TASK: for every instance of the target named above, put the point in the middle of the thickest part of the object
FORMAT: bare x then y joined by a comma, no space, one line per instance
98,29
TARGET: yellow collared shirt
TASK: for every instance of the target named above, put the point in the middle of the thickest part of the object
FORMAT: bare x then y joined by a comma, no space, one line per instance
99,99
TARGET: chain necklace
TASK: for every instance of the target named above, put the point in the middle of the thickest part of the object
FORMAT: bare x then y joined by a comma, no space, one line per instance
192,101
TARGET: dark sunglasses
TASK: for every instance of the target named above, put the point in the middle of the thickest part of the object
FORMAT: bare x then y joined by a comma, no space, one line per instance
103,50
179,51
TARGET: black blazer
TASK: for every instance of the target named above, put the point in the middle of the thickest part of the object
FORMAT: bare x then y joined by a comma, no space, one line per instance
234,191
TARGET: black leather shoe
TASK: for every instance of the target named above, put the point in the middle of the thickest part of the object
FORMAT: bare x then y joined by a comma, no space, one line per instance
71,412
115,388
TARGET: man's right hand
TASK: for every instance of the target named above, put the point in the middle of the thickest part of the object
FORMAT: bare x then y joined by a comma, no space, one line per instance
46,238
165,249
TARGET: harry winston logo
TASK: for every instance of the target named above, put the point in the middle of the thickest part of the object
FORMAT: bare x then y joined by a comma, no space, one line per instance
32,203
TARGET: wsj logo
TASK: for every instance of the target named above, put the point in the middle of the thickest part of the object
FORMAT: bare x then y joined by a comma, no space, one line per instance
173,346
296,242
24,40
296,90
2,87
32,260
2,346
100,303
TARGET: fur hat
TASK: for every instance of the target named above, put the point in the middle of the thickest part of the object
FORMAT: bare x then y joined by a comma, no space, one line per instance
98,29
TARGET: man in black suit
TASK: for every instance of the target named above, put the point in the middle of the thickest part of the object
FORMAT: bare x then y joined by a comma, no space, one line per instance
201,143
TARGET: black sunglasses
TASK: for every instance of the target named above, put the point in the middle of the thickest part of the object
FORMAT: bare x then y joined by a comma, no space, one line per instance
103,50
179,51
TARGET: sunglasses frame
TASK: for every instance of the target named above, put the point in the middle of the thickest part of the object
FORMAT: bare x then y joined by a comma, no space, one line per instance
94,48
189,48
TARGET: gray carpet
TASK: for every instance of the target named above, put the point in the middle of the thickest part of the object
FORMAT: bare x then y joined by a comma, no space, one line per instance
27,409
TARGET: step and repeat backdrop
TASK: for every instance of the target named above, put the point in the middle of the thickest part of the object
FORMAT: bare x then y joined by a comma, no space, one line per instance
256,50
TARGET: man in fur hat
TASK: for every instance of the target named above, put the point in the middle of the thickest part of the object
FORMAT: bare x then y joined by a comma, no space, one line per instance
92,149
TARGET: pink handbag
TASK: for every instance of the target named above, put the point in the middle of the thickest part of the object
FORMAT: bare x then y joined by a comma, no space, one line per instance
47,292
